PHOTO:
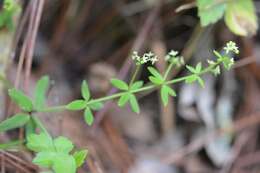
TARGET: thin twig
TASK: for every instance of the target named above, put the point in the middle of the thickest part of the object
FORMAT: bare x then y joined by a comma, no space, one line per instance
197,144
32,42
186,7
25,44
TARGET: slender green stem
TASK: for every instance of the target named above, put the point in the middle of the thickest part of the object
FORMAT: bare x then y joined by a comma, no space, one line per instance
145,88
137,69
53,109
169,68
40,125
11,144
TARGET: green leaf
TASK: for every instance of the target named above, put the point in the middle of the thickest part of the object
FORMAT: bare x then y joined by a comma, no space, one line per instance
216,71
21,100
155,73
41,142
123,99
63,145
191,78
241,17
96,106
88,116
171,92
165,92
134,104
80,157
30,127
119,84
44,159
198,67
40,92
18,120
9,10
217,54
155,80
85,90
11,145
201,82
164,95
76,105
136,85
227,62
191,69
64,163
210,11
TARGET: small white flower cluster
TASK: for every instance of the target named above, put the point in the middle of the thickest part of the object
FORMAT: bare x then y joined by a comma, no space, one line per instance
231,47
173,57
147,57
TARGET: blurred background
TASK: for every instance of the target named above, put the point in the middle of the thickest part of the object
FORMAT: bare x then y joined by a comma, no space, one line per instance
202,130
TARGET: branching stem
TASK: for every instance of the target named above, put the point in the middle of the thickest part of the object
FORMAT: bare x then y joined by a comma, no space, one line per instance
145,88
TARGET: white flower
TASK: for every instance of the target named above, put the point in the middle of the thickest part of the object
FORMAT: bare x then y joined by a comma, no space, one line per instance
154,59
211,62
150,54
171,55
135,55
145,58
231,47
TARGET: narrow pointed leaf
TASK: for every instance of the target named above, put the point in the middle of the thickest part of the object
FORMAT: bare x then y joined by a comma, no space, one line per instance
76,105
40,92
201,82
136,85
191,78
216,71
16,121
155,80
11,145
96,106
155,73
134,104
198,67
123,99
172,92
218,55
164,95
119,84
21,100
191,69
80,157
88,116
85,90
30,127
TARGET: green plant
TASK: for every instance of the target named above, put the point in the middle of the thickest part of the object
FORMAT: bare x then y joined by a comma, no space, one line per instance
10,8
55,154
239,15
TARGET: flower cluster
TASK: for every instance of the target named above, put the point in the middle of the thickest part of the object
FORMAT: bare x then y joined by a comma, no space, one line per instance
147,57
231,47
174,58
